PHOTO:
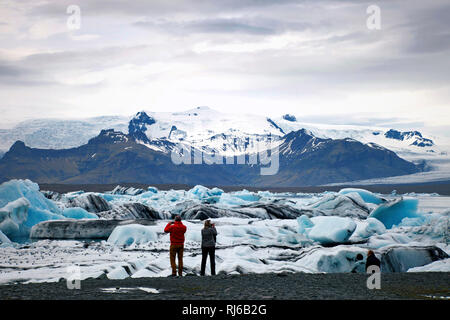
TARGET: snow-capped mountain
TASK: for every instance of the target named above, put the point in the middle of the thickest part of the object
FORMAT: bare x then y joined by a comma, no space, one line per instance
411,145
208,129
204,129
232,134
414,138
115,157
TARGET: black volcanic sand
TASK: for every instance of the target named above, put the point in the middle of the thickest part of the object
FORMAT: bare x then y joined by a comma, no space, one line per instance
442,188
285,286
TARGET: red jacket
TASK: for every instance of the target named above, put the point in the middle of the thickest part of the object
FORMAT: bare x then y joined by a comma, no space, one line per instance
176,230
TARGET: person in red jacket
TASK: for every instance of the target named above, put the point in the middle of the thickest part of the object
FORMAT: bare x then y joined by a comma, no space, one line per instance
176,230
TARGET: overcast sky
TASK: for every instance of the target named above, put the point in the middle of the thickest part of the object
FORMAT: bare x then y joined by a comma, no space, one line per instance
315,59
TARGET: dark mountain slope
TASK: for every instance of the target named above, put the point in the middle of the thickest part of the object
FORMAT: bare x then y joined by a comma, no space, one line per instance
113,157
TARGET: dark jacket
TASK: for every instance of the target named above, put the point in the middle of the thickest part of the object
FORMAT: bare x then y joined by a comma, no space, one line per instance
176,230
372,261
209,237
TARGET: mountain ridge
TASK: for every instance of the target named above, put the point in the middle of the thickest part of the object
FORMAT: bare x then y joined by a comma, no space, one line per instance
203,127
114,156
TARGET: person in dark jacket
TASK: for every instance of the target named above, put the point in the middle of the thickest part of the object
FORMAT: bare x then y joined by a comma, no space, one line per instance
359,264
372,260
209,234
177,230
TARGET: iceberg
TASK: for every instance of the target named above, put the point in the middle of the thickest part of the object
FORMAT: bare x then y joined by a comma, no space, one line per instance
79,229
437,266
367,228
246,195
387,239
254,210
333,204
402,258
37,215
330,260
152,189
304,224
271,210
367,196
207,211
434,227
127,190
12,216
393,212
133,234
205,194
15,189
131,210
89,201
331,230
78,213
327,230
118,273
24,206
52,195
4,239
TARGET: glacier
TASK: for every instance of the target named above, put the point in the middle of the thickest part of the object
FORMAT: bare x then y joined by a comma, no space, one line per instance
119,233
204,126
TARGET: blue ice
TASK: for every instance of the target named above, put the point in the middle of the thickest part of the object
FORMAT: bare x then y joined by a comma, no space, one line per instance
392,213
326,229
132,234
367,196
78,213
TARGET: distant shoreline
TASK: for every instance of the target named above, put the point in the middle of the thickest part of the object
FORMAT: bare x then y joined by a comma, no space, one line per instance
440,188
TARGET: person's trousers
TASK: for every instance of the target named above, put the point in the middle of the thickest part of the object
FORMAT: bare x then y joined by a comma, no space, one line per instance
212,259
176,249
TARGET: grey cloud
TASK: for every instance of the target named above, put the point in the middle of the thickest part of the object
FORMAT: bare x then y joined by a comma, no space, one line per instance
39,69
426,30
9,71
430,40
333,59
11,75
155,7
93,59
252,26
